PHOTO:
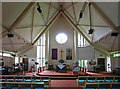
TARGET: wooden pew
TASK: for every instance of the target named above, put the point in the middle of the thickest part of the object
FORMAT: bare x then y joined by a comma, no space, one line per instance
22,85
81,80
116,79
19,78
109,78
11,78
115,85
97,79
97,86
100,78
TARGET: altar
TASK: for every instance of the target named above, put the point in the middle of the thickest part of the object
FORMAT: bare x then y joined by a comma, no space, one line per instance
61,68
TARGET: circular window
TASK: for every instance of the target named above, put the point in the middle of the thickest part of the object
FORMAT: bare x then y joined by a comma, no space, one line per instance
61,38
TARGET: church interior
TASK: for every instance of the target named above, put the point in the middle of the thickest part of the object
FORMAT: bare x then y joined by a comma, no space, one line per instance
60,45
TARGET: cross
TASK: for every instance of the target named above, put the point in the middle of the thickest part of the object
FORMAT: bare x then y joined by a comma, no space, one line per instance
61,53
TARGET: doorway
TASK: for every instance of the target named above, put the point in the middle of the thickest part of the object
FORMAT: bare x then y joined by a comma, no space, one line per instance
101,63
25,61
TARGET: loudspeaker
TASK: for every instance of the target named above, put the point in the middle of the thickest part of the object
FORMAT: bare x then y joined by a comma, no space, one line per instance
114,34
10,35
90,31
81,14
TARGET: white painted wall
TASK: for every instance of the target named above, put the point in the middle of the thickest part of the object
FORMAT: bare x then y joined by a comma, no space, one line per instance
32,53
8,61
61,25
98,54
31,63
115,63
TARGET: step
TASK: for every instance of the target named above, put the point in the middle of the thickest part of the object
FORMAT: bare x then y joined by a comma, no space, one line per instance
63,78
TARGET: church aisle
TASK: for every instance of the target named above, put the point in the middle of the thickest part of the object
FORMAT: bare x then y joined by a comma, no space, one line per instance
67,84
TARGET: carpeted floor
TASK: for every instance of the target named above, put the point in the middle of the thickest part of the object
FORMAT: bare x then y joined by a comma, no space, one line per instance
100,74
64,83
54,73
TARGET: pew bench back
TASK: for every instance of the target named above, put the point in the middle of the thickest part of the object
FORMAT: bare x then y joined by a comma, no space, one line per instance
97,79
22,85
110,85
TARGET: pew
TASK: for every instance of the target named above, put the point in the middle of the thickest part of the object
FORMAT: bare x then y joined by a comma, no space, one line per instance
100,79
97,79
45,79
11,78
3,78
104,85
109,79
97,86
81,80
115,85
91,79
19,78
116,79
22,85
27,79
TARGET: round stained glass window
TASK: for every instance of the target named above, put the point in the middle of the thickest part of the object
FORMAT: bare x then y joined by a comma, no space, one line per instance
61,38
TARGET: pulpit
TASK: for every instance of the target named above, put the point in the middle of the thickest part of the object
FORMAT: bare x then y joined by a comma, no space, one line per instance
75,68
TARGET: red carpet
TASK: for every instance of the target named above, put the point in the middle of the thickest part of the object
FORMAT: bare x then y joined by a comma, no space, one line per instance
64,84
54,73
100,74
48,72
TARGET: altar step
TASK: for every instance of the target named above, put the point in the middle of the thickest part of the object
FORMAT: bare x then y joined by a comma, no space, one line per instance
59,75
63,78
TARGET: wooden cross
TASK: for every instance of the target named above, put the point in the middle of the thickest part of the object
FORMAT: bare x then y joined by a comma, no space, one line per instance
61,53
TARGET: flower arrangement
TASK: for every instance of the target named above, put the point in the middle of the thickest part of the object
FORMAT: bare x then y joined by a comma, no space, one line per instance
61,61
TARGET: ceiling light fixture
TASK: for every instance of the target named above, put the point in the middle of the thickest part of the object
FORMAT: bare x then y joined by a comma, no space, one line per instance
38,8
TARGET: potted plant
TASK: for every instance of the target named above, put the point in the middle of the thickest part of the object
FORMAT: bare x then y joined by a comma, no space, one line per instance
61,61
46,63
77,62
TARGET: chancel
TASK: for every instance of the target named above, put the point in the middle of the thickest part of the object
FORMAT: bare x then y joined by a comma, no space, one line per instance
59,44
